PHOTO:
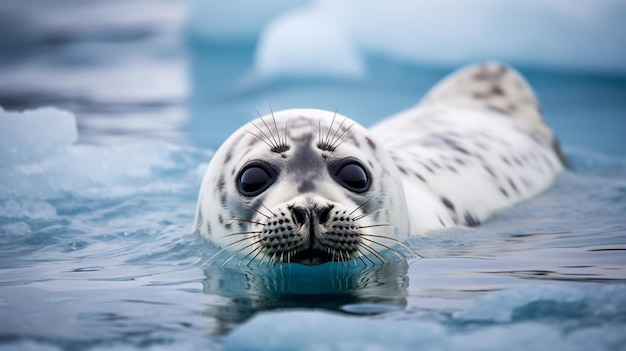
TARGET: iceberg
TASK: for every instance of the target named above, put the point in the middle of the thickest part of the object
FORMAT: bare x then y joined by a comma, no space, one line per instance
324,37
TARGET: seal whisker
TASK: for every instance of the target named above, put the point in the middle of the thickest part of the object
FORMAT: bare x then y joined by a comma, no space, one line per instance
333,139
378,225
363,215
274,141
238,251
265,207
360,206
227,247
375,253
262,258
395,241
360,257
260,138
270,141
238,233
272,261
238,241
245,220
365,256
338,141
386,246
258,211
258,248
327,139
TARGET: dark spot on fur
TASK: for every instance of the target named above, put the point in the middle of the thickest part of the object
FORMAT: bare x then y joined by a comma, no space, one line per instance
371,143
490,171
220,219
498,109
402,170
427,167
419,176
504,192
512,184
470,220
448,203
228,156
497,90
223,199
435,164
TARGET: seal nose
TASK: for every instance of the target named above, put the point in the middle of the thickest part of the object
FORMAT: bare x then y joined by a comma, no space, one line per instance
322,213
299,215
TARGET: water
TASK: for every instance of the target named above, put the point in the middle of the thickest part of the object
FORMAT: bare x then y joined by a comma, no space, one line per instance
95,249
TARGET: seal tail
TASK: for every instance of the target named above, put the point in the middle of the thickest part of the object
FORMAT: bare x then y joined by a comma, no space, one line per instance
495,86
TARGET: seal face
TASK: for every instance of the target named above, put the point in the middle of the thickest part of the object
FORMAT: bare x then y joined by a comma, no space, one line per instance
306,186
311,186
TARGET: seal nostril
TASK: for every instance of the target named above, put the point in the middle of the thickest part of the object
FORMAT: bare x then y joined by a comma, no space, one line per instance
299,215
322,213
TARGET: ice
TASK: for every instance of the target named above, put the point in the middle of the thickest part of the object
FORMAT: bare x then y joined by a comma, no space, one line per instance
40,162
328,36
564,326
556,301
309,43
34,134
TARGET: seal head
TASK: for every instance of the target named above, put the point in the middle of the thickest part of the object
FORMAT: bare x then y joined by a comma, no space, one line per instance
304,186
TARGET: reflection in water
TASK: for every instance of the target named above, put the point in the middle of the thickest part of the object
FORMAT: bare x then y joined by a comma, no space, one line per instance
245,291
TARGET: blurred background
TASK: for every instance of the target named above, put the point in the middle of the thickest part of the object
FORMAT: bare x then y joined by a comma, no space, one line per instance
192,71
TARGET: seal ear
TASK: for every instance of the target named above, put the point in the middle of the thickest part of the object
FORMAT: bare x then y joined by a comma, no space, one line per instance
497,87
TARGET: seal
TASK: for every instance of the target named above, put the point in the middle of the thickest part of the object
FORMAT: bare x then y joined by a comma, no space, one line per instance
311,186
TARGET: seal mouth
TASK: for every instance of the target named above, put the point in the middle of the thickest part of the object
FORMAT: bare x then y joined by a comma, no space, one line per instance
311,257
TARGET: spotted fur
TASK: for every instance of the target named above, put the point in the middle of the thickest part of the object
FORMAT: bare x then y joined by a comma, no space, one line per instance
474,145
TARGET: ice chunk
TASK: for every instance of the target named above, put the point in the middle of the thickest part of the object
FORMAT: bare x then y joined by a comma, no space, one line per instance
40,162
564,302
588,326
309,43
34,134
318,330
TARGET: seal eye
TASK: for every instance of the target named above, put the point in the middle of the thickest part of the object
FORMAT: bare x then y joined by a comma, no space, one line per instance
352,175
255,178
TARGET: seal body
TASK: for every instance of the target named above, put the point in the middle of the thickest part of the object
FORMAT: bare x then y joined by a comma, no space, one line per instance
312,186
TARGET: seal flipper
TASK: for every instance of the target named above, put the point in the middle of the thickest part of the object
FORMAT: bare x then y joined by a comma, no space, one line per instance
494,86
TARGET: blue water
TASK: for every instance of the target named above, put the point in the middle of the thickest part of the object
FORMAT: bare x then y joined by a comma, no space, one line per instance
95,248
